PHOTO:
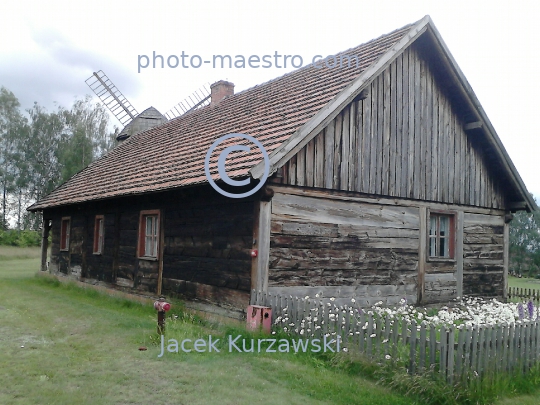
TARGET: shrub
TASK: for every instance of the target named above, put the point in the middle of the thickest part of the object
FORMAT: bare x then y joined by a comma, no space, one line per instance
20,238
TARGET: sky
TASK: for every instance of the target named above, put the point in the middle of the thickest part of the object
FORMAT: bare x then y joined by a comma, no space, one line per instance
48,50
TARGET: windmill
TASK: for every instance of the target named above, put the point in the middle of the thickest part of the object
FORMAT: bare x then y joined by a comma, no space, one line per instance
128,116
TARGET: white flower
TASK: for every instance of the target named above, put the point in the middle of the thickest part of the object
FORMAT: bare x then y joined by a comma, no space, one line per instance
332,299
387,357
345,349
373,335
353,300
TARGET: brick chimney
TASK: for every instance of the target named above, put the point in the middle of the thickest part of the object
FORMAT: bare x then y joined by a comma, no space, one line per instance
220,90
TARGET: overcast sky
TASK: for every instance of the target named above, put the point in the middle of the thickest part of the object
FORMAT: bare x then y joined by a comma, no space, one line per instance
48,50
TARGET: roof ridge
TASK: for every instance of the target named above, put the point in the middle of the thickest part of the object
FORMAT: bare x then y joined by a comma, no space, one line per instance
296,71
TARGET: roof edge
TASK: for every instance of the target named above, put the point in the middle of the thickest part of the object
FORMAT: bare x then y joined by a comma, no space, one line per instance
312,127
490,132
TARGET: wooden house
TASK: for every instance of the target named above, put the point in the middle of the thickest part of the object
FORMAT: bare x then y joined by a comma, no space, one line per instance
387,180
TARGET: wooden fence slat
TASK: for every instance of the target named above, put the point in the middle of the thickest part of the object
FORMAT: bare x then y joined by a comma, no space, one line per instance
481,346
412,352
499,348
361,332
386,342
460,355
450,361
432,345
422,347
474,349
443,351
487,348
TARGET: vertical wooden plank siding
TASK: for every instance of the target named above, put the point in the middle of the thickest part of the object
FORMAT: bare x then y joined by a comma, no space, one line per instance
366,142
404,139
345,149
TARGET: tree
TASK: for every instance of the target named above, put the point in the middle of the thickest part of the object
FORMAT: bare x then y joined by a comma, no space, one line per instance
12,125
39,154
525,243
86,137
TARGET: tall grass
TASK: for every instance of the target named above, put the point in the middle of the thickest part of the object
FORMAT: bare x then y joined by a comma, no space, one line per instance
18,253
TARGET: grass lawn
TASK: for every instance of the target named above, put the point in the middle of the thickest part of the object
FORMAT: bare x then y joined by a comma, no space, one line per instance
64,345
524,282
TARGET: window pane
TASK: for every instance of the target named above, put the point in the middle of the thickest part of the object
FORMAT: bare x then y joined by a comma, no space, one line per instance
432,246
148,246
443,244
148,226
443,226
100,238
433,226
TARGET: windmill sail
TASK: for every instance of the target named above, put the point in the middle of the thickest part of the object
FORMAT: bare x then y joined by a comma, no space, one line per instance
111,97
198,99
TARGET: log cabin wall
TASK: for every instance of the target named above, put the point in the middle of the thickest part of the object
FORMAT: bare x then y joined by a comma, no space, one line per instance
405,139
342,245
206,247
483,254
207,256
343,248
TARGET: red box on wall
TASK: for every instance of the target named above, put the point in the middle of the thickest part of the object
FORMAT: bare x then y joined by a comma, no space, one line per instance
259,318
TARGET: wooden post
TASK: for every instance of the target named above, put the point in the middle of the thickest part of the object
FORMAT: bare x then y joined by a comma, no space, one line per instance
506,243
261,236
422,254
44,243
160,253
459,254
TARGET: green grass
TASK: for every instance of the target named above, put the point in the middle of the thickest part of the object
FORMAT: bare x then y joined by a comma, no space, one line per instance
17,253
524,282
65,345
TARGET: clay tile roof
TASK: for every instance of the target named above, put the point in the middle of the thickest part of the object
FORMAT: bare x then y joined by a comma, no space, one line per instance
172,155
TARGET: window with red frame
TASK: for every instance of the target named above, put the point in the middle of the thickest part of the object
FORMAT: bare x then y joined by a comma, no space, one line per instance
149,234
441,235
99,234
64,233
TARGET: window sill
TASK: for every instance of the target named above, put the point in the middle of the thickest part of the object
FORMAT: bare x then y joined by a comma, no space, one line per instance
64,250
151,259
442,259
97,253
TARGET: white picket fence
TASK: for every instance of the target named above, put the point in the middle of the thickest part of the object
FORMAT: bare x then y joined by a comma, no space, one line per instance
451,351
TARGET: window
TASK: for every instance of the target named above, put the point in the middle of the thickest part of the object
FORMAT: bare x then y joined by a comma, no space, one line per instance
64,233
99,234
441,235
149,234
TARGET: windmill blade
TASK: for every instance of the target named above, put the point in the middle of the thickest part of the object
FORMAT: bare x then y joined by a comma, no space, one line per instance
196,100
111,97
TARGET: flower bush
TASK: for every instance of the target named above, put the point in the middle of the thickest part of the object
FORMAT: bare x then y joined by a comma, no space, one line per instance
466,311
